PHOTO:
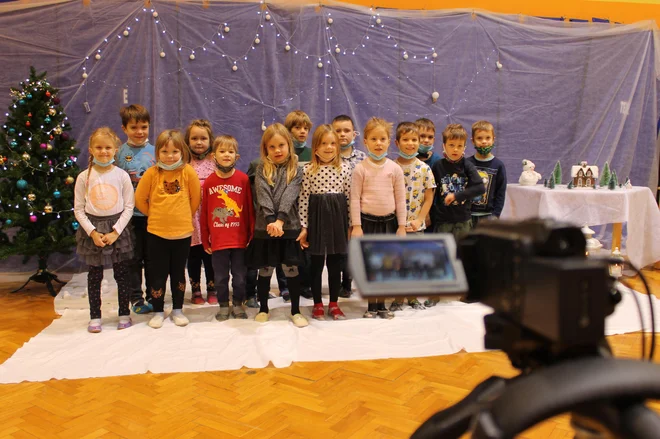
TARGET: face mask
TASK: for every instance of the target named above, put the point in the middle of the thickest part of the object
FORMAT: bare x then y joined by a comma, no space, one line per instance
350,145
171,167
408,156
377,157
324,161
103,165
299,145
132,145
424,149
201,156
224,169
485,151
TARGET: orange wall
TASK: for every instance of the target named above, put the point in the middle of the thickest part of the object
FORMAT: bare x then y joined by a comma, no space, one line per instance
624,11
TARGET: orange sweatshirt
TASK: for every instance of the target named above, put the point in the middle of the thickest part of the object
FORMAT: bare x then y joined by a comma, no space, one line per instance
169,198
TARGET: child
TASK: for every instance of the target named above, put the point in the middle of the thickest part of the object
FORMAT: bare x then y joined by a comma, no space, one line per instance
491,169
227,223
427,155
345,129
277,227
135,157
378,196
458,182
420,186
323,208
299,125
103,206
199,136
169,193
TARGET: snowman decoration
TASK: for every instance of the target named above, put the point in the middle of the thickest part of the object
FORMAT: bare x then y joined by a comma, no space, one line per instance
529,176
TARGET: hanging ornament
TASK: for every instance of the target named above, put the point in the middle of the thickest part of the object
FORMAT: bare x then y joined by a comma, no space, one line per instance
234,67
25,156
8,222
97,56
84,75
405,55
435,55
378,21
31,197
57,194
27,123
330,20
51,138
43,146
47,94
29,95
12,130
48,208
64,136
287,47
69,180
56,100
3,160
337,50
33,218
263,125
155,14
267,17
126,33
498,65
192,57
75,225
257,40
320,65
435,95
47,119
162,54
13,144
21,102
58,130
52,111
21,184
29,114
226,29
69,162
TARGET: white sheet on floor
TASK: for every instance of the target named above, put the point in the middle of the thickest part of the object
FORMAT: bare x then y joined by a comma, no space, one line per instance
66,350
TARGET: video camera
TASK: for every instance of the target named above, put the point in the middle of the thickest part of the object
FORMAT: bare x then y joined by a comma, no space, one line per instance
550,303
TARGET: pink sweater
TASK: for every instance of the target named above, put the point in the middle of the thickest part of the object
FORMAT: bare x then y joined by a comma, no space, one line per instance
378,190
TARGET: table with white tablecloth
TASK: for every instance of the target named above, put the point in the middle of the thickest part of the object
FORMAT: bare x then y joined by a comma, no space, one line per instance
635,206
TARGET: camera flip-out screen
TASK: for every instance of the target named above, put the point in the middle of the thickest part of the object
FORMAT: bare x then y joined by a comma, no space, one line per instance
386,265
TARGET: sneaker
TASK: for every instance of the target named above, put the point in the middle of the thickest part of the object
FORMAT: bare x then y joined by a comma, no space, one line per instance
262,317
286,296
238,312
157,320
335,312
124,324
429,303
142,308
94,326
197,298
299,321
211,298
273,296
345,293
223,314
396,306
306,293
415,304
317,312
252,303
179,318
369,314
385,314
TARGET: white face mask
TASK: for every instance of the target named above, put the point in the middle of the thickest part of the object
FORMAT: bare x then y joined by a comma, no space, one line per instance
171,167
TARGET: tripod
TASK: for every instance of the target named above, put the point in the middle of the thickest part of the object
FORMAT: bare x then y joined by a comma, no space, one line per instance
43,276
604,395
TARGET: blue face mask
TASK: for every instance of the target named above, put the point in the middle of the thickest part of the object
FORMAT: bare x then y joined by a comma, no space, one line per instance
424,149
298,144
377,157
103,165
408,156
350,145
171,167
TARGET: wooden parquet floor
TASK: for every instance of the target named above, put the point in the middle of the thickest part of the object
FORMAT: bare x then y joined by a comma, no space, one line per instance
354,399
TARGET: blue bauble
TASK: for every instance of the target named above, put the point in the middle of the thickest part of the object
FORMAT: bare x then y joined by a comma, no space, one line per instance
29,95
13,144
21,184
57,194
69,163
75,225
47,119
8,222
12,130
21,102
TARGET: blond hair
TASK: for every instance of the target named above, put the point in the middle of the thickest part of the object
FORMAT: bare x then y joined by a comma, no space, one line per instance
226,140
101,132
317,138
297,118
200,123
454,131
376,122
269,167
177,140
482,125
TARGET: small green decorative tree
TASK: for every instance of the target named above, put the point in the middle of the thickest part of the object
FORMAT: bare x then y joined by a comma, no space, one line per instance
570,184
605,175
551,183
611,185
38,169
615,178
557,173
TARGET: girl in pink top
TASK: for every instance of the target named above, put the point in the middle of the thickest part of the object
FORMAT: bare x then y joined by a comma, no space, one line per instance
378,196
199,136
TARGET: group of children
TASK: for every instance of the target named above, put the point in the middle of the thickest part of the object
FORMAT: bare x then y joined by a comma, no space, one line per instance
183,202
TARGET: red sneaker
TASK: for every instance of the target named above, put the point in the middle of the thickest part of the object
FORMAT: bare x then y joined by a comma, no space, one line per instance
211,298
317,312
335,312
197,298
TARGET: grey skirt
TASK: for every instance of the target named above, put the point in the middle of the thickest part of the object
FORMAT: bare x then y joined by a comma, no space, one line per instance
121,250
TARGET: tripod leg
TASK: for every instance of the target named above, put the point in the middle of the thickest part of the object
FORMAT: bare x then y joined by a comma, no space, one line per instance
22,286
51,290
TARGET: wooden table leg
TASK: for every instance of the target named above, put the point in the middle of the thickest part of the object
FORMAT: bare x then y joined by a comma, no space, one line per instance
617,229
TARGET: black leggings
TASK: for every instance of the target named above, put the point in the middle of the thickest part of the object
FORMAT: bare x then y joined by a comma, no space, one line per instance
196,257
334,263
167,257
95,276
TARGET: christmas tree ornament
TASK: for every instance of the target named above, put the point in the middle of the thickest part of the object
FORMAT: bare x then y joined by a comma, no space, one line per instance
48,208
49,147
69,162
69,180
434,96
3,160
22,184
234,68
27,124
29,95
257,41
43,146
126,33
13,144
84,75
192,57
57,194
25,156
52,112
56,100
75,225
287,47
64,136
155,14
8,222
47,119
47,94
162,54
33,218
12,131
97,56
31,197
226,29
29,114
330,21
21,102
51,137
267,17
58,130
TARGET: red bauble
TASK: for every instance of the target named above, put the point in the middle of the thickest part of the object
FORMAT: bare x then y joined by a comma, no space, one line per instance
47,94
56,100
27,124
51,137
64,136
29,114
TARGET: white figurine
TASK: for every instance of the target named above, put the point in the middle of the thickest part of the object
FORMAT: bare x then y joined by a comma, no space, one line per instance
529,176
627,184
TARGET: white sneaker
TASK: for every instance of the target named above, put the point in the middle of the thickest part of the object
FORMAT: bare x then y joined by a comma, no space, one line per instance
179,318
157,320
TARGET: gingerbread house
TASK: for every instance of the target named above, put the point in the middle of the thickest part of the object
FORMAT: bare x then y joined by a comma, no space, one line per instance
584,175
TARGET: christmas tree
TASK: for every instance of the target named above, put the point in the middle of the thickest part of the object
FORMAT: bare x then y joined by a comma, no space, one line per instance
570,185
615,178
38,168
557,173
551,183
606,175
